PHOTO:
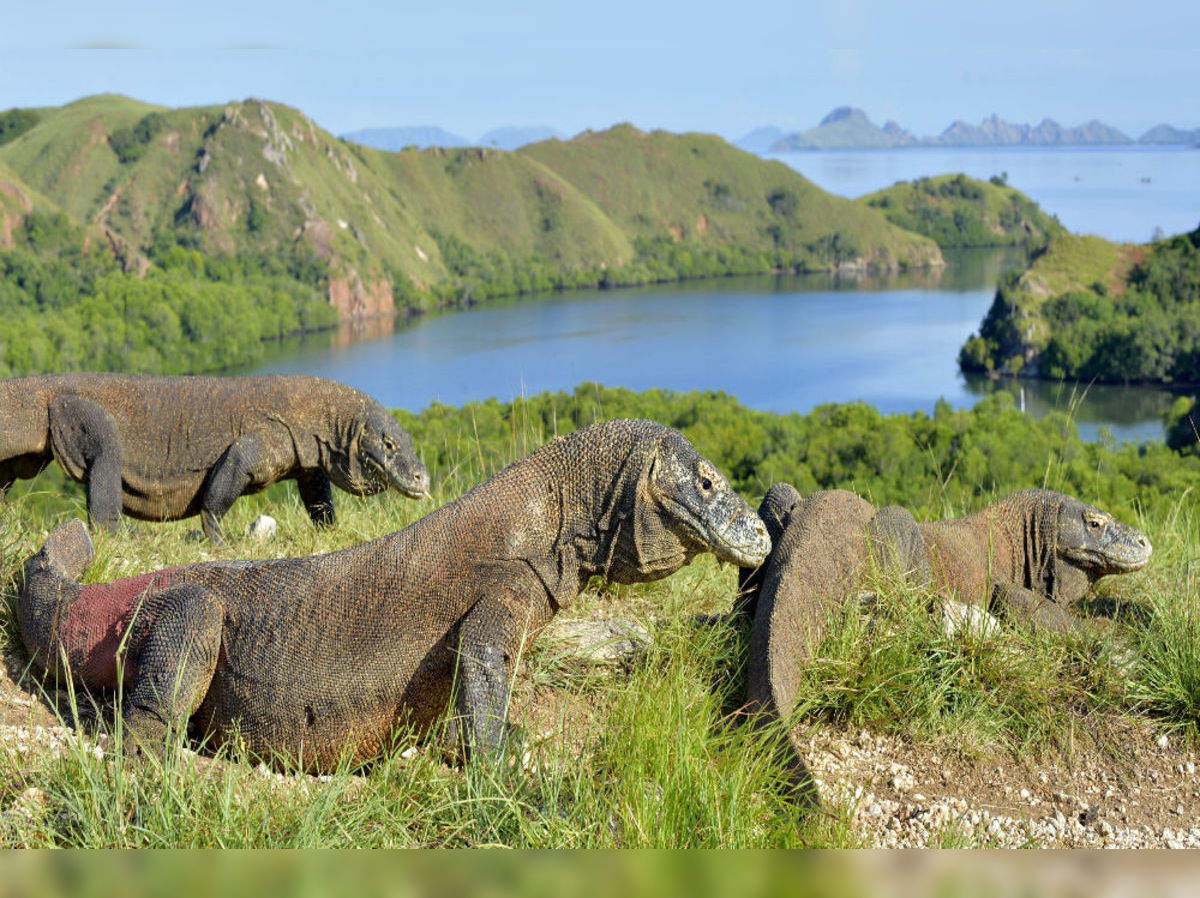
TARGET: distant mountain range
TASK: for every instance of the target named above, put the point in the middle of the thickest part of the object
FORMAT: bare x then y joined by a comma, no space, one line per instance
425,136
394,139
512,138
848,128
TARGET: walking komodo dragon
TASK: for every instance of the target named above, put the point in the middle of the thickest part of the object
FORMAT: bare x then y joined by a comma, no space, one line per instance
319,658
165,448
1029,557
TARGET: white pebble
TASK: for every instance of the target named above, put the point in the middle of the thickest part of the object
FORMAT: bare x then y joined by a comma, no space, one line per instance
264,528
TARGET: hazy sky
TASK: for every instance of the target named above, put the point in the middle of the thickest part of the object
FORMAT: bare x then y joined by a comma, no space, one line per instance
726,67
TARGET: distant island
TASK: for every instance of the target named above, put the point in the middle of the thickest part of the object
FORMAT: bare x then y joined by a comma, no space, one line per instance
424,137
849,128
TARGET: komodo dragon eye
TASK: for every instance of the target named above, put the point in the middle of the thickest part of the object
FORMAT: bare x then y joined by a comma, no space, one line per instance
706,478
1094,524
389,444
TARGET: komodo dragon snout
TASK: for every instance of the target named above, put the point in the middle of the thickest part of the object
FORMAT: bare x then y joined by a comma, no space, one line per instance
388,458
706,510
1097,543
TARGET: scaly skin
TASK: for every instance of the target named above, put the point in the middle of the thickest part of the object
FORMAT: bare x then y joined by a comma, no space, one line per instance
322,658
1030,557
164,448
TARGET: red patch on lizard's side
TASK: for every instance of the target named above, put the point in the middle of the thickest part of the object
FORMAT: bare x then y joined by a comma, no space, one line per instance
95,623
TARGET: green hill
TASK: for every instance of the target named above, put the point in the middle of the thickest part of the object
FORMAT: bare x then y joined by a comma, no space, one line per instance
425,228
957,211
697,189
1091,310
251,202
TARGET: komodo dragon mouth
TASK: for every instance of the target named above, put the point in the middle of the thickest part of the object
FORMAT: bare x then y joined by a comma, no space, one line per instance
738,538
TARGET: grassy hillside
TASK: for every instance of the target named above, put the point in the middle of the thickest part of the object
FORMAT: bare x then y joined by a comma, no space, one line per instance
602,769
697,189
255,185
957,211
1094,310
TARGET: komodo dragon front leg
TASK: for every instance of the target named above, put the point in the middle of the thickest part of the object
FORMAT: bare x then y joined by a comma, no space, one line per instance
243,462
174,667
84,439
316,492
1038,612
775,511
897,547
490,637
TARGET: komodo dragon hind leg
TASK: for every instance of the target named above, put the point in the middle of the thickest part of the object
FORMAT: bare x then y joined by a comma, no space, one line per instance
85,442
175,666
227,481
316,492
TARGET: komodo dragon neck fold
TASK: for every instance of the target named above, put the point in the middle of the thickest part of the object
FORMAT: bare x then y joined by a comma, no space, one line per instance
597,534
1019,534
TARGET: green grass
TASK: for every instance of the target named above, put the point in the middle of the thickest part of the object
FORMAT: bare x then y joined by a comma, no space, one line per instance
1076,262
652,757
238,203
698,188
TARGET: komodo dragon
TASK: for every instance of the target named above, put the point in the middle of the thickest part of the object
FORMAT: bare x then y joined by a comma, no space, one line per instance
1030,556
165,448
319,658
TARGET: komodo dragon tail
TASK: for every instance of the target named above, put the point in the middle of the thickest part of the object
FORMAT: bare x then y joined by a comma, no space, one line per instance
47,580
828,542
67,551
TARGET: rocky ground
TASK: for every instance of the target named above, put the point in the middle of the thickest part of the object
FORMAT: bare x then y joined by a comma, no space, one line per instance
904,796
1142,794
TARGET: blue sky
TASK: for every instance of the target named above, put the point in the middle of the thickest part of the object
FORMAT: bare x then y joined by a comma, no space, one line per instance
682,65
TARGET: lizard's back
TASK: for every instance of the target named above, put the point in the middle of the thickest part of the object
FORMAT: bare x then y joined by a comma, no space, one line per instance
173,430
329,651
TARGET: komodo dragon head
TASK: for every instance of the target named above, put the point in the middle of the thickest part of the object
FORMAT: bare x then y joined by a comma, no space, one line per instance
682,506
383,456
1096,543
